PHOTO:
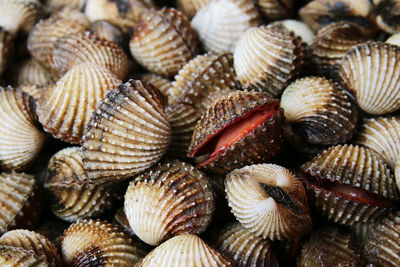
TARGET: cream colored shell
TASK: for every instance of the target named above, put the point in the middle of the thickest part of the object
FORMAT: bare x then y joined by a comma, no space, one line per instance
190,7
32,72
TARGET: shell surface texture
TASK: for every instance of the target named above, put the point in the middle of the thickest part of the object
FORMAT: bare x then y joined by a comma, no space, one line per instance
32,72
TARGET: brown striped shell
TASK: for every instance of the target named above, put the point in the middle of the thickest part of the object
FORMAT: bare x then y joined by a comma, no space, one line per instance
370,72
173,198
15,256
6,49
387,15
275,9
220,23
161,83
108,31
267,58
128,133
163,41
190,7
299,28
98,243
32,72
213,97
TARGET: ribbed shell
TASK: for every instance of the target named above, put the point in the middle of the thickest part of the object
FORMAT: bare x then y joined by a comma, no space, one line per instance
220,23
387,15
32,241
355,166
164,41
65,108
32,89
275,9
128,133
75,197
6,49
108,31
213,97
185,250
13,256
173,198
69,12
245,248
269,201
53,230
370,72
85,47
161,83
32,72
319,110
299,28
190,7
201,76
20,139
267,58
361,231
98,243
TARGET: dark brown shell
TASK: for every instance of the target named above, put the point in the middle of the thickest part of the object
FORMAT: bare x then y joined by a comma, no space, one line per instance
275,9
387,15
161,83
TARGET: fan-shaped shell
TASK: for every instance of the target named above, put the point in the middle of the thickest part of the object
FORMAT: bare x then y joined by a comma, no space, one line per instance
14,256
128,133
220,23
370,72
299,28
6,49
190,7
161,83
275,9
32,72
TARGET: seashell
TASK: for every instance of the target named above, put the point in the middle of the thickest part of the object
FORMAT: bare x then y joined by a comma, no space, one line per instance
299,28
57,4
275,9
98,243
75,197
269,201
14,256
6,49
121,220
32,242
184,250
85,47
201,76
267,58
163,41
360,231
220,23
20,139
319,110
190,7
239,129
161,83
69,12
382,245
213,97
108,31
127,134
244,247
349,184
387,15
32,72
32,90
394,39
330,246
178,199
370,71
65,108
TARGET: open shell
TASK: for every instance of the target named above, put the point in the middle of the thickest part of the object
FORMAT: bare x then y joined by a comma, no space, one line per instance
275,9
6,49
16,256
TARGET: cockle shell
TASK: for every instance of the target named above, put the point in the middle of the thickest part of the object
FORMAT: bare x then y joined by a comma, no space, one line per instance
361,231
387,15
220,23
370,72
6,49
267,58
275,9
299,28
161,83
32,89
65,108
15,256
32,72
213,97
173,198
108,31
56,4
128,133
190,7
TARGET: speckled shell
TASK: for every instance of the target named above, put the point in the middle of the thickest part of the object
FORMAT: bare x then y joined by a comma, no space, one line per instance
275,9
128,133
20,138
245,248
108,31
394,39
65,108
164,41
387,15
357,167
185,250
213,97
220,23
161,83
269,201
6,49
329,246
319,110
14,256
32,241
299,28
98,243
32,89
267,58
201,76
370,72
89,48
32,72
173,198
190,7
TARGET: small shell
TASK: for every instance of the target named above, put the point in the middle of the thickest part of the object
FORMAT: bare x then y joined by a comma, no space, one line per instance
32,72
185,250
319,110
370,72
20,139
6,49
173,198
394,39
299,28
14,256
387,15
269,201
108,31
65,108
128,133
190,7
220,23
164,41
98,243
275,9
161,83
267,58
32,89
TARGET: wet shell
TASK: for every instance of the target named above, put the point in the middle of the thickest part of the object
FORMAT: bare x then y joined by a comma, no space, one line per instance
387,15
185,250
173,198
31,241
269,201
89,48
128,133
164,41
20,140
6,49
190,7
370,72
267,58
13,256
98,243
319,110
349,184
161,83
220,23
32,89
275,9
108,31
32,72
299,28
247,249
